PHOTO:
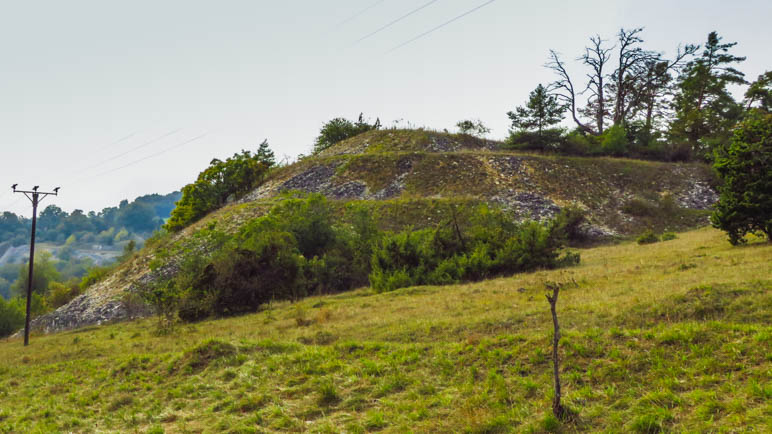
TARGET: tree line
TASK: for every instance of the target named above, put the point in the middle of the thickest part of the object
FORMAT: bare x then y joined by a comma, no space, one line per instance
113,224
633,101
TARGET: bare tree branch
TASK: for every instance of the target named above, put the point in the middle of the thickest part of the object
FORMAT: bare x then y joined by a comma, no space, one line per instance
596,56
563,88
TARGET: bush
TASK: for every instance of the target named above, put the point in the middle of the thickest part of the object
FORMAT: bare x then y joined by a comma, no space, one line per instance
60,294
667,236
95,275
340,129
295,250
473,128
222,180
473,248
11,317
579,143
648,237
640,208
546,140
614,141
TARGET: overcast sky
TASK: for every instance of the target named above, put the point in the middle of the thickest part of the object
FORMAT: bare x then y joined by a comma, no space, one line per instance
115,99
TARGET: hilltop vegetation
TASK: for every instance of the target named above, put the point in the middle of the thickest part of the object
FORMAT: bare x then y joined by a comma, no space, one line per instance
672,336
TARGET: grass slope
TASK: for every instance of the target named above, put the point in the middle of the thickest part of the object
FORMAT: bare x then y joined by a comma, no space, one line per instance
673,336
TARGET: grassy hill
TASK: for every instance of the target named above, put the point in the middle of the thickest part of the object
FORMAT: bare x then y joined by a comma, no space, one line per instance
423,165
673,336
408,177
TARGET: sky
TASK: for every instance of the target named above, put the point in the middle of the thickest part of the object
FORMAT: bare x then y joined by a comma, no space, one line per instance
111,100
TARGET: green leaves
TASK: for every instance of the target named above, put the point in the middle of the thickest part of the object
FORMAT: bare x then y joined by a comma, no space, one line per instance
705,109
222,180
745,166
540,112
340,129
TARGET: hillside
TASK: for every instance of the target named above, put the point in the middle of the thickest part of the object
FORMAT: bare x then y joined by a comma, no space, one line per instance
673,336
408,176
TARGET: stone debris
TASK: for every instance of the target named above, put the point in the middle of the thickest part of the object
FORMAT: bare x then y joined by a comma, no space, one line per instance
699,195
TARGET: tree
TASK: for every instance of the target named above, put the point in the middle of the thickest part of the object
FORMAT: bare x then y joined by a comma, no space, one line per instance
541,111
705,110
759,94
474,128
563,89
44,272
11,317
340,129
745,167
138,217
265,154
596,56
222,180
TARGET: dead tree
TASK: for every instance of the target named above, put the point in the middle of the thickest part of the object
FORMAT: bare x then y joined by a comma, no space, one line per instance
596,56
625,77
558,410
563,89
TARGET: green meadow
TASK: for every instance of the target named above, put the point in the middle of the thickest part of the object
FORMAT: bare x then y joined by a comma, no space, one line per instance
674,336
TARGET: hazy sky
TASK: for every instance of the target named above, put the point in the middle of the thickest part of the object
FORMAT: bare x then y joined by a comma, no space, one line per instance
88,87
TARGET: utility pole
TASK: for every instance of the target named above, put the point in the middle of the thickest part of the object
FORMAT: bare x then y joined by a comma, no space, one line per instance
35,197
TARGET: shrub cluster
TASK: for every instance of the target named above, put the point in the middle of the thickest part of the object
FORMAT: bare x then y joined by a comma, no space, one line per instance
615,141
339,129
488,244
649,237
295,250
302,246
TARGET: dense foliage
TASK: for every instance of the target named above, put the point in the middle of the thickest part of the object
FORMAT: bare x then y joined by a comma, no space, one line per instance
705,110
221,181
301,247
339,129
469,248
745,167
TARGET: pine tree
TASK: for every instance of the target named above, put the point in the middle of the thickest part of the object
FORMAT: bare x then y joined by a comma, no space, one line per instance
265,154
759,94
705,110
745,167
540,112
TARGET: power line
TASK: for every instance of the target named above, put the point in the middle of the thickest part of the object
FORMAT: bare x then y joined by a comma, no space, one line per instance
425,5
151,155
358,14
440,26
136,148
12,204
122,139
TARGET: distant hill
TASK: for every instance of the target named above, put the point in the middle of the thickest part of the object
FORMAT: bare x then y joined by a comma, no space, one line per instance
409,176
140,217
79,240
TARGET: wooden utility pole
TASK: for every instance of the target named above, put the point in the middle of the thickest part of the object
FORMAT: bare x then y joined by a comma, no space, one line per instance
35,197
